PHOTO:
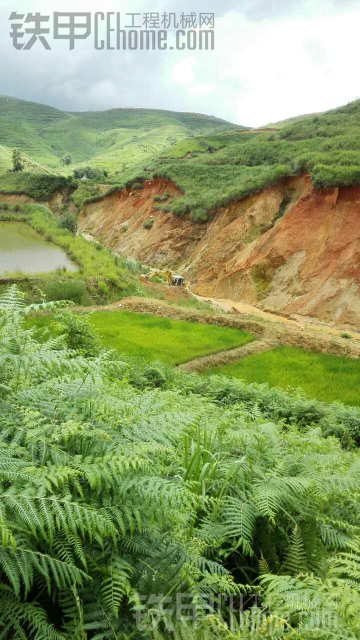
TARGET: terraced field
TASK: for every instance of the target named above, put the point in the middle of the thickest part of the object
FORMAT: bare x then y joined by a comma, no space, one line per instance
318,375
114,139
154,338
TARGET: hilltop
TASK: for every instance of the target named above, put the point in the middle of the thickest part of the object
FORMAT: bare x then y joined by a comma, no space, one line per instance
212,171
106,139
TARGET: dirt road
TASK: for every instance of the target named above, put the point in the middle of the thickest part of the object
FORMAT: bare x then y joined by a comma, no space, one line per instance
248,309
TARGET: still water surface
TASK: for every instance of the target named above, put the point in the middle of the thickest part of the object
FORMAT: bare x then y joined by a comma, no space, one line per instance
23,249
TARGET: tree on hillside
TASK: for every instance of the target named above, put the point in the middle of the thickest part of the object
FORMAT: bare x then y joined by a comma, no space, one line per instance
66,160
92,173
17,160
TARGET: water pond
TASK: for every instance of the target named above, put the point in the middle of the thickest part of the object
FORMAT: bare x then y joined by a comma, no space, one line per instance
23,249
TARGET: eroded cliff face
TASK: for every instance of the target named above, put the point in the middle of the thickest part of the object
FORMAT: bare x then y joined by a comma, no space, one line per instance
288,249
54,203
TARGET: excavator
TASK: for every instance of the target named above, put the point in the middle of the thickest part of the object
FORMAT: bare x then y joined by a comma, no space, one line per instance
173,280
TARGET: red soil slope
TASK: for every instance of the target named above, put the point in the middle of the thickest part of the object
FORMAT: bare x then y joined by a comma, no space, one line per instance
289,249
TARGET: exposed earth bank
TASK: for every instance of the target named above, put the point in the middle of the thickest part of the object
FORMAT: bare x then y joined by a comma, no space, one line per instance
288,249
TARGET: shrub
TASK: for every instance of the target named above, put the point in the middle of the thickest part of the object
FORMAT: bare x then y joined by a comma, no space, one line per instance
79,334
136,186
155,376
38,186
92,173
74,290
134,266
148,223
68,222
100,196
180,208
102,287
199,215
323,176
276,404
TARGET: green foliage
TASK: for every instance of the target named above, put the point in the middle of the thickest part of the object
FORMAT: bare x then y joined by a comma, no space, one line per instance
323,176
163,198
207,187
276,404
85,192
17,161
105,140
92,173
148,223
109,493
79,334
38,186
320,375
185,148
66,160
101,275
212,171
63,288
69,222
100,196
154,338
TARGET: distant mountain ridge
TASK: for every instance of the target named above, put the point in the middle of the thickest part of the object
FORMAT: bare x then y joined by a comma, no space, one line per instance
103,138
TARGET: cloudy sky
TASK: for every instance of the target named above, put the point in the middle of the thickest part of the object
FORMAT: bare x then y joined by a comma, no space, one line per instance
273,59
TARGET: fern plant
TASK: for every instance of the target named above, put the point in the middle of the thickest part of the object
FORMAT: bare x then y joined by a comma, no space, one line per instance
114,499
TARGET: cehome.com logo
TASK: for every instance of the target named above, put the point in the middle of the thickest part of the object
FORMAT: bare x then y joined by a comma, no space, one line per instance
115,31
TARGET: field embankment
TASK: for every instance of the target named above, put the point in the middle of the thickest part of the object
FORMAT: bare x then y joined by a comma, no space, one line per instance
295,334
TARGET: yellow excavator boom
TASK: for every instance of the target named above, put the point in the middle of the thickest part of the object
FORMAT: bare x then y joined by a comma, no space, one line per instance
171,278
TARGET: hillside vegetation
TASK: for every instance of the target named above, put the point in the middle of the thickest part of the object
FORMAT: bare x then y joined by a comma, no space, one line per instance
110,139
6,163
130,502
211,171
39,186
211,161
101,277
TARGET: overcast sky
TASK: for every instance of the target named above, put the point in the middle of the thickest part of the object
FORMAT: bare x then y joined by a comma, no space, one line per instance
273,59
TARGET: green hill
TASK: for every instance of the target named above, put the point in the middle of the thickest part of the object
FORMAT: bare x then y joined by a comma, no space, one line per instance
106,139
29,165
210,160
214,170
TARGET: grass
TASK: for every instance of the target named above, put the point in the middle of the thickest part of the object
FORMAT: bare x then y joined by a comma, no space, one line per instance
39,186
106,139
207,187
211,161
321,376
227,167
154,338
83,192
